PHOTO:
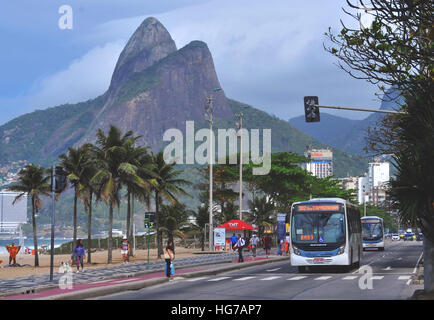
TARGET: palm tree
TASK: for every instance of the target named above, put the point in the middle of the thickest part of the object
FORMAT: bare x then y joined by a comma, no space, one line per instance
261,211
135,158
86,193
34,181
75,164
168,186
172,217
112,170
201,219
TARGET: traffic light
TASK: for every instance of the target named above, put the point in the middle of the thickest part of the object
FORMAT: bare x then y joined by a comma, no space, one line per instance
149,219
311,111
60,179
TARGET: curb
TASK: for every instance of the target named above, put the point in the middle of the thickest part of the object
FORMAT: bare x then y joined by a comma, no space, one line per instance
103,291
30,290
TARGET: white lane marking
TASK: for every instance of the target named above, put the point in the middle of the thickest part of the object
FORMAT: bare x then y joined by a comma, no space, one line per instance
274,269
350,277
197,279
297,278
408,282
417,263
323,278
270,278
218,279
126,280
377,277
399,258
243,279
404,277
388,268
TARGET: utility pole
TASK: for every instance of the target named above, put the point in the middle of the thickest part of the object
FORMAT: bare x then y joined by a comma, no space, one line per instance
209,116
240,132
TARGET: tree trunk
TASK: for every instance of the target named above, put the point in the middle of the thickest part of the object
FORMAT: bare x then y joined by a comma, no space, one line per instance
157,226
89,231
35,236
110,237
202,240
428,263
128,231
74,237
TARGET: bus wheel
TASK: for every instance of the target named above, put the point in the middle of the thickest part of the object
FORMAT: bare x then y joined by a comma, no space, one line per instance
301,269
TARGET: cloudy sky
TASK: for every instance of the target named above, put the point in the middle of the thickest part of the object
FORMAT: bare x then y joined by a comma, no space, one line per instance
268,54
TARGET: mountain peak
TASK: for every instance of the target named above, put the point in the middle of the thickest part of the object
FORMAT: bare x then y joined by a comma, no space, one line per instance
150,43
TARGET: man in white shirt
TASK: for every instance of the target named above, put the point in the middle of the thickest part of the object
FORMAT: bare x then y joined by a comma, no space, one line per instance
239,245
254,244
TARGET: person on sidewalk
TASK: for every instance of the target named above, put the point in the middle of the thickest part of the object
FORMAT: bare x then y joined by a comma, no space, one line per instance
254,244
234,240
169,256
125,248
267,245
239,245
13,251
78,255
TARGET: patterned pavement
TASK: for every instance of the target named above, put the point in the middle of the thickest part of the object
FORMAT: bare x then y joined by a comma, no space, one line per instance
30,283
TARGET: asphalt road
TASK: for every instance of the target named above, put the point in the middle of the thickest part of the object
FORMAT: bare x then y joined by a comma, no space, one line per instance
382,275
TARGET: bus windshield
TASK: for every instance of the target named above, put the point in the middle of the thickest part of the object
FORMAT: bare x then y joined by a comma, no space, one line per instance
372,231
318,227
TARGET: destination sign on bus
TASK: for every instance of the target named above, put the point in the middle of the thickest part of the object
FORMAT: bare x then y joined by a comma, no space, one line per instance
370,221
318,207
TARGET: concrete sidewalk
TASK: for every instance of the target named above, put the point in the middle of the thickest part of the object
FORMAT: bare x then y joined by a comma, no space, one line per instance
134,277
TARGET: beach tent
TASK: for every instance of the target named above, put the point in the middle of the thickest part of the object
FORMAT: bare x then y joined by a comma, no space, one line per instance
236,224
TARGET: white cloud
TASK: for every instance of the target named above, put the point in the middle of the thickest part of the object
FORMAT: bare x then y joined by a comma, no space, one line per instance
83,79
268,54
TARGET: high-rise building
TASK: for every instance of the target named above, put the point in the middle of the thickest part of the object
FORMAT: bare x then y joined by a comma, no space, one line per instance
372,187
321,162
378,173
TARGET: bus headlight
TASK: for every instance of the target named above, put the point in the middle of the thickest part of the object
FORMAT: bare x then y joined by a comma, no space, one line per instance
341,249
296,251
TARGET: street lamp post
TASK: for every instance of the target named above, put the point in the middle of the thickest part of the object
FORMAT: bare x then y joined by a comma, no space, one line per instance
240,127
209,117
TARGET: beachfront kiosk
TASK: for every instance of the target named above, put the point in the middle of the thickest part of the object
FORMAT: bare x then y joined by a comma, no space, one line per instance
234,226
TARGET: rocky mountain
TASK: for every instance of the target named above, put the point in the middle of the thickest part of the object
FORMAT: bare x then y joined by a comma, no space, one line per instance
154,87
341,132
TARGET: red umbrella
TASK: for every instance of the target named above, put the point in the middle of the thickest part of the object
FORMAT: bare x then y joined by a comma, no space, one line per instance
236,224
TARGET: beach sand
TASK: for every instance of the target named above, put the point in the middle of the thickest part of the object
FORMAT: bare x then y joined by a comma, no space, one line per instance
99,259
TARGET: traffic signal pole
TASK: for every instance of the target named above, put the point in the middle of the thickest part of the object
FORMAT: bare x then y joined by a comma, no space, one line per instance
359,109
312,114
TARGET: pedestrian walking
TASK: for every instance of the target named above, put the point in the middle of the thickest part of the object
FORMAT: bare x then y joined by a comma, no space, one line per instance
267,244
239,245
234,240
169,256
78,255
125,248
254,244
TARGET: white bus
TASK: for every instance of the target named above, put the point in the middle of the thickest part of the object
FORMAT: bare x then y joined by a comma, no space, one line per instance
372,232
325,231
